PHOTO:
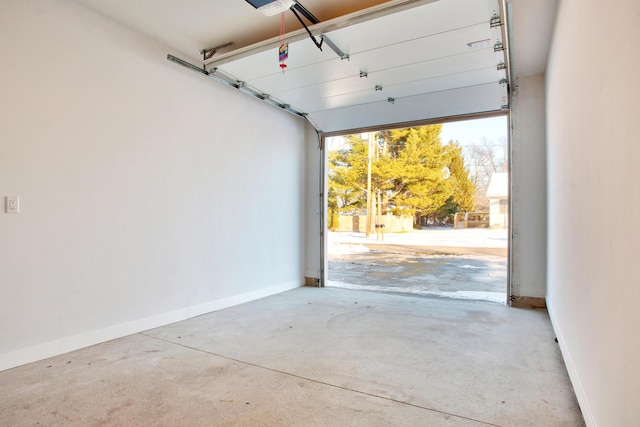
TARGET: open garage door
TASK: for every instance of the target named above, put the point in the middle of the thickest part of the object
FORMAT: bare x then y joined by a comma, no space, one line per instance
395,63
418,211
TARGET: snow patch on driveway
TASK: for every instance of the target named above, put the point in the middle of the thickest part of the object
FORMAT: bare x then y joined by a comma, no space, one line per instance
496,297
469,238
336,248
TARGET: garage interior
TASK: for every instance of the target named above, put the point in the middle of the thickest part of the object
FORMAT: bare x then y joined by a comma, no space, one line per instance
139,193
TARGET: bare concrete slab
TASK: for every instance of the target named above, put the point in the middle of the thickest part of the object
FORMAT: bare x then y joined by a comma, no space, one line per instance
310,357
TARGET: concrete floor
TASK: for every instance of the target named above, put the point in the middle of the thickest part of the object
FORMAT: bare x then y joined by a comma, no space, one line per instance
310,356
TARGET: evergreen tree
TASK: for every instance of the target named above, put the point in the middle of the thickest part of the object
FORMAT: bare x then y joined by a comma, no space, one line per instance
332,202
410,170
348,174
415,173
462,188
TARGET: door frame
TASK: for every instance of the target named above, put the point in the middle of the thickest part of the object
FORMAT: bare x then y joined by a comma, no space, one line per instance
323,190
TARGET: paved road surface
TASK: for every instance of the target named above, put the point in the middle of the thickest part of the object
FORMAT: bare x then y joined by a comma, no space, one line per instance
450,271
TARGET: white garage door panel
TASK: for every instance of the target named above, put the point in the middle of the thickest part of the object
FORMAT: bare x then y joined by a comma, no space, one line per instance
422,49
433,18
307,64
434,60
385,65
362,92
304,77
438,21
347,82
303,54
423,107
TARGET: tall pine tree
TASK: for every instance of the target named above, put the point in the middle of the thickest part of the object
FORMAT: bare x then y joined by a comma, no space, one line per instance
462,189
411,171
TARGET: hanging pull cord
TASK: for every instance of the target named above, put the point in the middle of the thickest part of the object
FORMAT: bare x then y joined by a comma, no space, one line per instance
281,36
283,52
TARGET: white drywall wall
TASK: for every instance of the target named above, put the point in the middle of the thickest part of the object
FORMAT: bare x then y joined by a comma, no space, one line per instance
593,123
148,192
528,188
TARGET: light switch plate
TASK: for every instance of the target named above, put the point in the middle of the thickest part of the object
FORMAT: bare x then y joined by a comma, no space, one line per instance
12,204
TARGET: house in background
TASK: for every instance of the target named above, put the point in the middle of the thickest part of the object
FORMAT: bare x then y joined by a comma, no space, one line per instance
498,195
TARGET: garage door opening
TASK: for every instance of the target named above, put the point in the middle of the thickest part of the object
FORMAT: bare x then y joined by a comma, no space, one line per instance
421,211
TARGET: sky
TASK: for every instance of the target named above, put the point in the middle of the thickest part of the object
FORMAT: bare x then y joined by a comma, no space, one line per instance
467,132
471,132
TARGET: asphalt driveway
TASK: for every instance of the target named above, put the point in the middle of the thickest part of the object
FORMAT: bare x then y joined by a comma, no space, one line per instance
411,264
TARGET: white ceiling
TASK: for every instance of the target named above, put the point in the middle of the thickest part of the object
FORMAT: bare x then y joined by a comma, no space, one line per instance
416,51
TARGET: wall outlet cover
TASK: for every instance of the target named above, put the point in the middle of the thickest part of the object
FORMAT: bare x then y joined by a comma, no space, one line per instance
12,204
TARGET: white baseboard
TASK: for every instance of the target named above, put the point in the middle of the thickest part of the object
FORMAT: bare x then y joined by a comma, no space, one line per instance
571,369
67,344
